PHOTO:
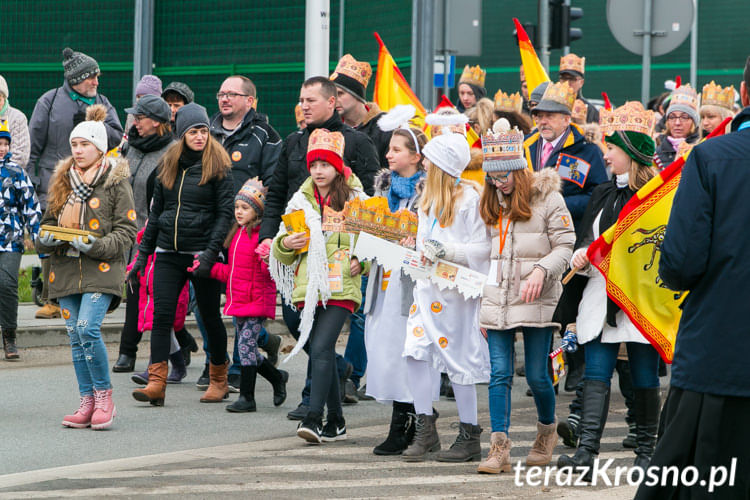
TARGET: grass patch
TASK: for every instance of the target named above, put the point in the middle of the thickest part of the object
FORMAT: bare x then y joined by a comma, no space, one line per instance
24,285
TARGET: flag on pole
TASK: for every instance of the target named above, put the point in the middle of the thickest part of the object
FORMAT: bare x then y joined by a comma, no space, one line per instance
532,66
627,254
391,88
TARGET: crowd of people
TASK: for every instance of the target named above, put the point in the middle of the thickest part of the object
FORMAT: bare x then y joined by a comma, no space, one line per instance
181,208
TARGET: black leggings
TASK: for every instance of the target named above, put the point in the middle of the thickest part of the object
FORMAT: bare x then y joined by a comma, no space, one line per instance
322,348
170,274
130,336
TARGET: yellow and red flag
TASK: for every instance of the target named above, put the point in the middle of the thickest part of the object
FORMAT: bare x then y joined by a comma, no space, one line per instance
627,254
532,66
391,88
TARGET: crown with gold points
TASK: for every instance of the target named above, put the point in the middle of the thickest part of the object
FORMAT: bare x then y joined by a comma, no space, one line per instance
631,116
512,103
473,75
360,71
503,151
716,95
572,62
560,95
4,131
685,95
322,139
371,216
579,112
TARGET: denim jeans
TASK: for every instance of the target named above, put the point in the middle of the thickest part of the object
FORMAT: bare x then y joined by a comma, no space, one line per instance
83,314
9,264
601,359
355,352
536,358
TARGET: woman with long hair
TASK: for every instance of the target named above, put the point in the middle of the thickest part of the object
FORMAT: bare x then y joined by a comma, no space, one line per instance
532,240
191,212
89,191
716,105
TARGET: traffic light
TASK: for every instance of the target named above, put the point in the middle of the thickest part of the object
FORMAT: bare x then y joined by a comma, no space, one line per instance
531,30
561,15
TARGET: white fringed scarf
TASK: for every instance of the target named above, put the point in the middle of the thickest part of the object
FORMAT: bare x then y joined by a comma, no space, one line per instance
318,289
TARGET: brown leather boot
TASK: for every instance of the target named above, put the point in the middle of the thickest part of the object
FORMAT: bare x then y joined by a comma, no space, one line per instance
545,442
157,385
218,389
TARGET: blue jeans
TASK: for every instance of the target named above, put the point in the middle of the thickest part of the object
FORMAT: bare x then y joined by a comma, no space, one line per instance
601,359
83,315
355,352
536,343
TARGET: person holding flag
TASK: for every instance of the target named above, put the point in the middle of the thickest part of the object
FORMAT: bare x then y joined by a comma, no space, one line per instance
601,325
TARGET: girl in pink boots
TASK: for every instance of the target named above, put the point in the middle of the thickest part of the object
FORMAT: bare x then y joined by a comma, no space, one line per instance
89,191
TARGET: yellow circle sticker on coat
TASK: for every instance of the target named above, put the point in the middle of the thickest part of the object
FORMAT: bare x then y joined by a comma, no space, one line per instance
412,309
94,202
66,314
236,156
104,267
418,331
131,214
436,307
52,276
443,342
94,224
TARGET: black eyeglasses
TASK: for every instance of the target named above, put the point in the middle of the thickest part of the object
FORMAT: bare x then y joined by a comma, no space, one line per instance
229,95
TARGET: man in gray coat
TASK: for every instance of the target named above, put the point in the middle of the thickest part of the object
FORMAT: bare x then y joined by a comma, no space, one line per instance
54,116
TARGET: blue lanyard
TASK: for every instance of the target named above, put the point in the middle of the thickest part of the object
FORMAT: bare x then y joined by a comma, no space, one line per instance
744,125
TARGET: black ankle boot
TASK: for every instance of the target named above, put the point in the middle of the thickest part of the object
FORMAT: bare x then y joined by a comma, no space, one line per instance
246,401
278,379
401,431
9,343
647,405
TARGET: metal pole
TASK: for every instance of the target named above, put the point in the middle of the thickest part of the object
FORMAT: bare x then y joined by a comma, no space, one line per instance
341,28
566,49
694,47
143,40
544,32
317,37
646,63
423,51
446,53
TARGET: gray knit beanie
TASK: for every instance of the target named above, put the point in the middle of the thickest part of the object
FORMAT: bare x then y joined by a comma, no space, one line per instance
78,66
189,116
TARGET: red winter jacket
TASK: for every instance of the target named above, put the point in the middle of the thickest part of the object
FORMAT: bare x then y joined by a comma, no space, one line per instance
250,290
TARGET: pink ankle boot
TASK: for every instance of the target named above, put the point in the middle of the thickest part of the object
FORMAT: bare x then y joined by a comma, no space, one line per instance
104,410
82,417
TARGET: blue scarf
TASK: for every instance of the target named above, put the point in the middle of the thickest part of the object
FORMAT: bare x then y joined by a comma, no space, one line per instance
402,188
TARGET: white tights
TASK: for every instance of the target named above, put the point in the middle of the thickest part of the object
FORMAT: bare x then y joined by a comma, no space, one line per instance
421,385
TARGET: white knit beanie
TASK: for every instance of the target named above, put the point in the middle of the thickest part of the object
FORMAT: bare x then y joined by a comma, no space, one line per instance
93,129
449,152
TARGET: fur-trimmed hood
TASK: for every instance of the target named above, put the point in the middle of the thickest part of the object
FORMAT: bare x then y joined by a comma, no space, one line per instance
382,183
546,181
373,111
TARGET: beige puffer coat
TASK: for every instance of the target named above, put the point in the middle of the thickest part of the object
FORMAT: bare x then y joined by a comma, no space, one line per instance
546,239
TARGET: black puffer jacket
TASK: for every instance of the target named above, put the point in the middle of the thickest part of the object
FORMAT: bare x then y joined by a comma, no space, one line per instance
291,170
189,217
381,139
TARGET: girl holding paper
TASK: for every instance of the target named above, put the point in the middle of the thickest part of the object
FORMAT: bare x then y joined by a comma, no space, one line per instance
532,240
319,275
442,332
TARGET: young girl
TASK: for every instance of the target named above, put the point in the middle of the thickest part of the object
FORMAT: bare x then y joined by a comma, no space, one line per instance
324,281
532,240
389,293
89,191
442,331
251,296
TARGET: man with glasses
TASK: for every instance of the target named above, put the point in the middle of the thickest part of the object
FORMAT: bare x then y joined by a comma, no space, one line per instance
572,71
251,142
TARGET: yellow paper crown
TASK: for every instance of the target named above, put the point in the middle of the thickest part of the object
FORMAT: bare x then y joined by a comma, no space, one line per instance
4,126
361,71
631,116
561,93
473,75
512,103
371,216
298,114
686,95
716,95
572,62
579,112
330,141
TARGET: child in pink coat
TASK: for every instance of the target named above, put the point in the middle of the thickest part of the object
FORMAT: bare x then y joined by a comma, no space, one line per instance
251,297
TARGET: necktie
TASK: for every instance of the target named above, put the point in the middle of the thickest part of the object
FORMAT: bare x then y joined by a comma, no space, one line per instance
546,151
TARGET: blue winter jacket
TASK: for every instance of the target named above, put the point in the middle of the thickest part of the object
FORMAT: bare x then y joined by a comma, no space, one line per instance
706,250
19,206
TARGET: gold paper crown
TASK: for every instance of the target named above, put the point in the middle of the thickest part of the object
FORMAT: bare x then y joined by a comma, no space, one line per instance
579,112
473,75
371,216
716,95
572,62
512,103
330,141
298,114
502,146
4,126
561,93
685,94
361,71
631,116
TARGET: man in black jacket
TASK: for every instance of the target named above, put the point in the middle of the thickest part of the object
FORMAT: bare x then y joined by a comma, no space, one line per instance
252,144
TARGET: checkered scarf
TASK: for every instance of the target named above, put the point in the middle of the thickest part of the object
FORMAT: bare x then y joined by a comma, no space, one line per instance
82,183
